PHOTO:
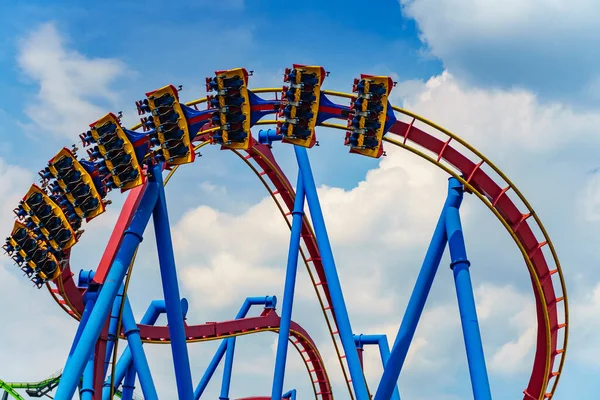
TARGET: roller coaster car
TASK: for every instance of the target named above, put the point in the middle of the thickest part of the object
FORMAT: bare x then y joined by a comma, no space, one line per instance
368,115
75,183
31,255
47,219
171,128
232,108
300,105
117,153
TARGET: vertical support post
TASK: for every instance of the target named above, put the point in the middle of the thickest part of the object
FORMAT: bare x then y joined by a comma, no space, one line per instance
333,281
131,239
154,310
128,384
288,291
87,387
132,333
227,369
466,300
168,272
412,315
384,352
112,328
268,302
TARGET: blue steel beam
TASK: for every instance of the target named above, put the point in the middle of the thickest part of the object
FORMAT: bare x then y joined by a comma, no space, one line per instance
87,387
464,291
168,272
132,333
129,384
288,291
268,302
333,281
406,332
155,309
91,332
112,328
381,342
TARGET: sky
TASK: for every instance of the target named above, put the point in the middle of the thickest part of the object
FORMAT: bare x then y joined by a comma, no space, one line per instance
518,80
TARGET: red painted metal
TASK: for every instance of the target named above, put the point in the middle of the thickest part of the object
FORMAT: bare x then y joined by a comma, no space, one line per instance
129,208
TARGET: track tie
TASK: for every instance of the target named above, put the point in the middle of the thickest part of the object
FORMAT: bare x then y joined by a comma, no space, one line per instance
247,157
262,173
529,396
408,131
443,148
560,326
538,247
559,351
517,225
474,170
499,196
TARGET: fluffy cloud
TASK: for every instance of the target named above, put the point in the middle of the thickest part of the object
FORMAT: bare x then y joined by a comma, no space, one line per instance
70,84
546,45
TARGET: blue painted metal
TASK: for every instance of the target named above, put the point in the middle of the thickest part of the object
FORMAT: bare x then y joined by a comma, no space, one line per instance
132,333
154,310
227,369
90,299
290,395
112,328
464,291
268,136
87,341
168,272
333,281
413,312
87,387
268,302
288,291
129,384
384,351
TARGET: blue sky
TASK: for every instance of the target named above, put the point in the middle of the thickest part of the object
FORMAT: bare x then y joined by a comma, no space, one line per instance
519,82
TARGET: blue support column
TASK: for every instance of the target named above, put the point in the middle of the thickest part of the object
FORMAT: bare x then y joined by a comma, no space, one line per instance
391,372
129,384
464,291
288,292
87,387
132,333
384,352
112,329
89,336
227,369
168,272
268,302
89,306
154,310
333,281
291,395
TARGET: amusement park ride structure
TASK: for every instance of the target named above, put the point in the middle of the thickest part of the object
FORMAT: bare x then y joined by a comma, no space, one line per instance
141,160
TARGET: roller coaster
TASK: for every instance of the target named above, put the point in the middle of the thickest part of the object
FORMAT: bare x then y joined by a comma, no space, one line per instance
141,160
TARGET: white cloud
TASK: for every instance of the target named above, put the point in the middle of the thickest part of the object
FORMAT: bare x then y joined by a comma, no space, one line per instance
547,45
71,84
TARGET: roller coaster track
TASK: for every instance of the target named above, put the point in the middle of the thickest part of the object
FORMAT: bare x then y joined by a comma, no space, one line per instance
48,384
443,149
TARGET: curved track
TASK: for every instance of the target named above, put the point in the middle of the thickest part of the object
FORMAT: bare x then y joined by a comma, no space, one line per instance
457,158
